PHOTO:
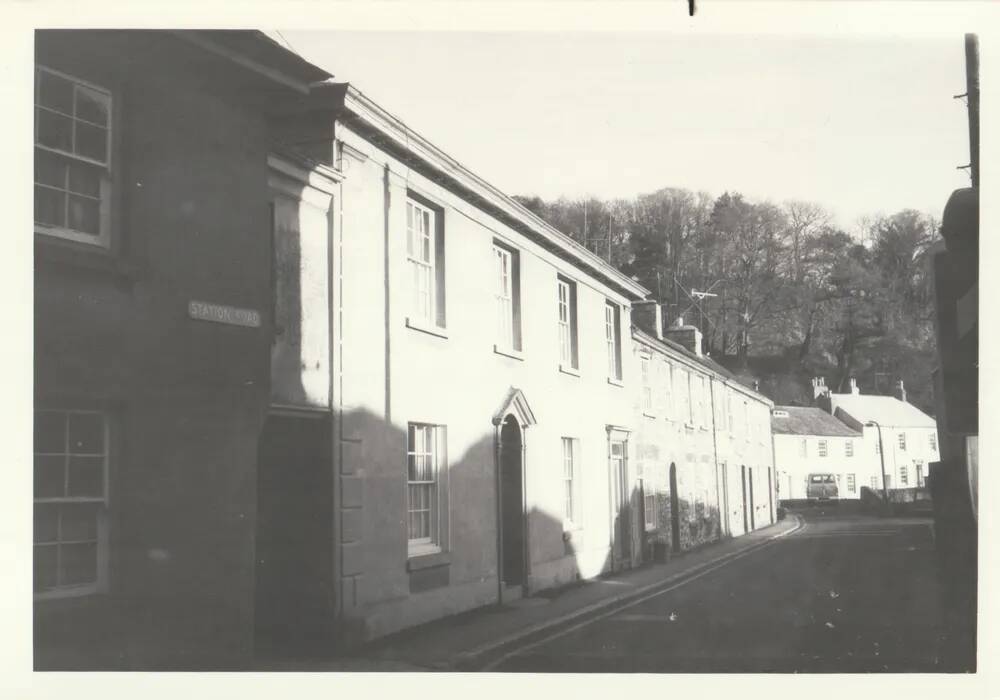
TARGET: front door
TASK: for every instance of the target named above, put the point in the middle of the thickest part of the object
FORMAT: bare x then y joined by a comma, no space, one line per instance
512,503
294,585
621,510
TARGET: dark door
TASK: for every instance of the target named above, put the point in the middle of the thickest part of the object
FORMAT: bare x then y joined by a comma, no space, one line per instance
512,502
294,592
770,494
675,514
743,474
750,489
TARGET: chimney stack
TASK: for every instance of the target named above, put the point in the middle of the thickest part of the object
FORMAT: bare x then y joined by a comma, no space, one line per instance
647,315
819,387
900,391
688,336
854,386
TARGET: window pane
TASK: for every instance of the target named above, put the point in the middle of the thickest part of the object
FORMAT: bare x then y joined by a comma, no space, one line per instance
86,433
79,563
86,476
55,92
46,522
50,206
91,105
79,522
45,567
92,141
50,477
85,179
84,214
50,431
55,130
50,169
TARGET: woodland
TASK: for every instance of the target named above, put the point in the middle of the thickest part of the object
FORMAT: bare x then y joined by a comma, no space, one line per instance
780,292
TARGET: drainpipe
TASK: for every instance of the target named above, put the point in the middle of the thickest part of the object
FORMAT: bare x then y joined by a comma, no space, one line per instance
499,513
774,470
715,450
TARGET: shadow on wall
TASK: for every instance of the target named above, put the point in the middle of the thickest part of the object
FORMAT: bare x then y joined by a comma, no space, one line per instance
389,498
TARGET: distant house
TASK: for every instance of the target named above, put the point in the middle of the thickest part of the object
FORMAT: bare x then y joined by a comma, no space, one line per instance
908,436
808,440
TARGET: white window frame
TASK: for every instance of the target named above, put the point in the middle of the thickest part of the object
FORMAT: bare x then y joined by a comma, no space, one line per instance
822,448
100,584
645,362
932,440
804,448
874,483
612,316
852,483
570,481
902,441
431,542
503,292
103,238
565,320
671,399
422,263
705,406
649,513
849,448
904,477
688,400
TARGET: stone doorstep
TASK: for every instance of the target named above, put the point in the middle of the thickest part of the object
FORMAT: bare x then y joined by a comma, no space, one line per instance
478,658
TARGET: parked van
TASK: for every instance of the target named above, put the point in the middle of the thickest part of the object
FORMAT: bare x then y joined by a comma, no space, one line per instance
822,487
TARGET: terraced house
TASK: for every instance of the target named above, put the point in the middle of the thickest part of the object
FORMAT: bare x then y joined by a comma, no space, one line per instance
304,379
704,458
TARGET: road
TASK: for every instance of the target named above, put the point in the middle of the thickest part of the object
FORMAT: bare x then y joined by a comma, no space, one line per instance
844,593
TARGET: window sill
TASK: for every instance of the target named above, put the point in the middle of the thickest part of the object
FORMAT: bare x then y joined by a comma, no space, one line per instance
689,427
50,250
566,369
418,325
509,352
616,382
427,560
647,414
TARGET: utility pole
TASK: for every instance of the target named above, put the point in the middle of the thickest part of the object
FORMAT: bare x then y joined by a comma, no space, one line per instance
972,92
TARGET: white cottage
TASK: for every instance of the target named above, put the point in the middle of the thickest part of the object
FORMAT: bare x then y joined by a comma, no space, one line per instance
809,440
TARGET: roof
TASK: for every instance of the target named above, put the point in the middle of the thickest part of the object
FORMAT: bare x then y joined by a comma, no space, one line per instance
392,133
885,410
808,421
704,360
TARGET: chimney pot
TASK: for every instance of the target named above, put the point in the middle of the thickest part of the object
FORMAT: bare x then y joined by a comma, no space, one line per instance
646,315
900,391
688,336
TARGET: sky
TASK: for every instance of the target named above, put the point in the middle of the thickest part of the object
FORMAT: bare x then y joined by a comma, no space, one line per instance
861,125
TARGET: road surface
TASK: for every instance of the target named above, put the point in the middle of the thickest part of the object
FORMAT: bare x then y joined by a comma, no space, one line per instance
845,593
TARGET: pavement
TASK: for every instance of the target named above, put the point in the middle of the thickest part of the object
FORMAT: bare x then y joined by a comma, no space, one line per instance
482,638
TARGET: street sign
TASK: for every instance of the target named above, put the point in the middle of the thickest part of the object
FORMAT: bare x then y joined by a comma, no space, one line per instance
219,313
